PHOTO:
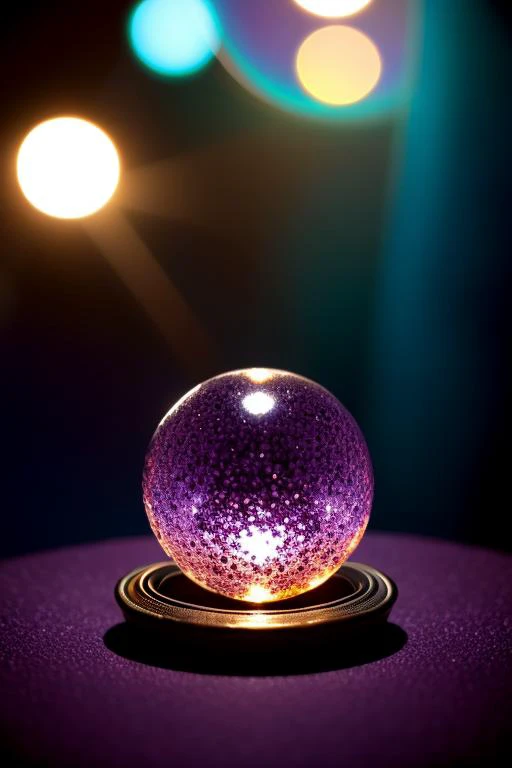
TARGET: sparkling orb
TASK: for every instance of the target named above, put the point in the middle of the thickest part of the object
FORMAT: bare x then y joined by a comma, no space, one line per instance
259,484
68,167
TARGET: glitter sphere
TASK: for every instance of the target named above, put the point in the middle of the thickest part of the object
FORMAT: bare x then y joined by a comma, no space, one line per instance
258,483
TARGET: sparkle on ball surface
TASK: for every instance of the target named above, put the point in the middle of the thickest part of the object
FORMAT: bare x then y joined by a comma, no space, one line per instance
333,9
258,483
174,37
68,167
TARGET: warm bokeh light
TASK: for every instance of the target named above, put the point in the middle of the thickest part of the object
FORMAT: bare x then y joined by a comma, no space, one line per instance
174,37
338,65
68,167
333,9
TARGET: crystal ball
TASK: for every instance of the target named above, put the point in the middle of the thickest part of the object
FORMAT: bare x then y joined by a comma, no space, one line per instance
259,484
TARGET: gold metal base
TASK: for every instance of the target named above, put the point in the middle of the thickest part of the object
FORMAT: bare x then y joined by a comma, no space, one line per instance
160,596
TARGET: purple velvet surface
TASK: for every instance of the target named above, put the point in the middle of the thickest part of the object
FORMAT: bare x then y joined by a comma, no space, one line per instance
440,700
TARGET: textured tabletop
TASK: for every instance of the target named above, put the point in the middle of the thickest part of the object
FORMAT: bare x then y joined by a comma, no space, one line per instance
433,690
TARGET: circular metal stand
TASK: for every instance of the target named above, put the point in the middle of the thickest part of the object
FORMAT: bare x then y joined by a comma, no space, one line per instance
161,597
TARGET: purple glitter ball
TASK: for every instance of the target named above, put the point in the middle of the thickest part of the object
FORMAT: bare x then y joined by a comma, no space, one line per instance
258,483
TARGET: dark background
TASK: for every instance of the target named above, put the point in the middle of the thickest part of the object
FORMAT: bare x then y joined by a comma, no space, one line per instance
373,258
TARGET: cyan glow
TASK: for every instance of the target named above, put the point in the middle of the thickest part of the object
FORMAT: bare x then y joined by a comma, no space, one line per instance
174,37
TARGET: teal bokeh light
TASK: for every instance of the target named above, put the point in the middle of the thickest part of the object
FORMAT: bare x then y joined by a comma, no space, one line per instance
174,37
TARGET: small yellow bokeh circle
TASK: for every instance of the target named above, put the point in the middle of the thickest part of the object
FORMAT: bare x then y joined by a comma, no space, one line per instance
338,65
68,167
333,9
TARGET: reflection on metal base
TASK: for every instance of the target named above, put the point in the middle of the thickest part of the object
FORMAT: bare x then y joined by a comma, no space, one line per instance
160,596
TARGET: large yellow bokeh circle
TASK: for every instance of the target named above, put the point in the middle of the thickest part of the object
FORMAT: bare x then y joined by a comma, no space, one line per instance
68,167
338,65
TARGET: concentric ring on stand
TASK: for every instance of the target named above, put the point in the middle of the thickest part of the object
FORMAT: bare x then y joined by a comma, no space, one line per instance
162,596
